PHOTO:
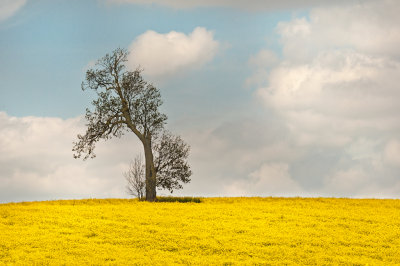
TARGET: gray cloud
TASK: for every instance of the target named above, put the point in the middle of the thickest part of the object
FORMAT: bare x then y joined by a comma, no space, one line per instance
234,157
255,5
336,89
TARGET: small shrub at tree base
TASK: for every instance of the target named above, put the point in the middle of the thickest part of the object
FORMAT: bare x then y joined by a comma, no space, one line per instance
178,199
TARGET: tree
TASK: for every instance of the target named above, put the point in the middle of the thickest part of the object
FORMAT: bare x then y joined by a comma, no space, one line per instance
171,153
125,102
136,178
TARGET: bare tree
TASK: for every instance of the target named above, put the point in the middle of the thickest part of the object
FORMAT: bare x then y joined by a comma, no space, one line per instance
125,102
135,178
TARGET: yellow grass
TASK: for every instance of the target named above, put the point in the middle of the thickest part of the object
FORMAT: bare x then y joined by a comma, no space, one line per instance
216,231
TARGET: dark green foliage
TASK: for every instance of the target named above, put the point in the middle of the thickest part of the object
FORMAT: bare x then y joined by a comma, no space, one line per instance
171,165
178,199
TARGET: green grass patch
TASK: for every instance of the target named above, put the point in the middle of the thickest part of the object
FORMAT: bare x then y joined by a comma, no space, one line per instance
178,199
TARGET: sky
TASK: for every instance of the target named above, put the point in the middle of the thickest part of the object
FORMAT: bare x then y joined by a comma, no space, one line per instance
276,98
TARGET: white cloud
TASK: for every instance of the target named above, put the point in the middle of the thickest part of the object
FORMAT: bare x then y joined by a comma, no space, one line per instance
336,96
254,5
369,27
166,54
9,7
36,161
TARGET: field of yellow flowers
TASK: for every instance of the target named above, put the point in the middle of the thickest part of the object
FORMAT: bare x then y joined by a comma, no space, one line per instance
216,231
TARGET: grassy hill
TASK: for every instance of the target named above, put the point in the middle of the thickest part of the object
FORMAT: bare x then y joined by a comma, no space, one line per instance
215,231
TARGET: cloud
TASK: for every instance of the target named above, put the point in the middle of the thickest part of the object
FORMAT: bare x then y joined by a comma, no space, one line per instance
392,153
261,62
337,82
167,54
8,8
225,155
271,179
336,90
368,28
368,178
336,96
36,161
264,58
255,5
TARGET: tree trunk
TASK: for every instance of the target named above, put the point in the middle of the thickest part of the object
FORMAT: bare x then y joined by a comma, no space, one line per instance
150,171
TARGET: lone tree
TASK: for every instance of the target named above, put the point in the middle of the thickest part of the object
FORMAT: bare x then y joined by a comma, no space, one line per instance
126,102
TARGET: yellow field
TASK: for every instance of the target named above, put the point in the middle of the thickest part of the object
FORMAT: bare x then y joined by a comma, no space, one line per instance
216,231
